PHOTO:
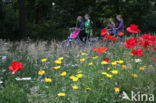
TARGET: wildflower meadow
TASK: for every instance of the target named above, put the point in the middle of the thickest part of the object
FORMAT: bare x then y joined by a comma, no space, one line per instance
110,72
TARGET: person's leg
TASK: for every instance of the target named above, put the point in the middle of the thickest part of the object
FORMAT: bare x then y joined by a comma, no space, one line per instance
86,36
81,36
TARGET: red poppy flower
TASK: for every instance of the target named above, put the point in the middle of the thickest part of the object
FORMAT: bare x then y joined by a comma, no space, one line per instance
146,36
102,50
104,31
146,44
153,59
15,66
148,41
94,49
153,38
109,37
107,60
131,43
138,52
133,29
121,34
114,39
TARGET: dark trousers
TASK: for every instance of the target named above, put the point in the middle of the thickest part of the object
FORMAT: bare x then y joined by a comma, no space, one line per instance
83,35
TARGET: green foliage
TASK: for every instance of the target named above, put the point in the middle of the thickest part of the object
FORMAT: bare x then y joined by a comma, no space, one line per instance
11,93
51,19
47,31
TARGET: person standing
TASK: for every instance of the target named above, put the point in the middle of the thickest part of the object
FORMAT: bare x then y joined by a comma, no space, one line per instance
81,23
88,27
81,27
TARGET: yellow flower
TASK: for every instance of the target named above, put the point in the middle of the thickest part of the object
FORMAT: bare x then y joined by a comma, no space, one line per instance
120,61
123,66
109,75
48,80
142,68
57,67
61,58
114,63
44,60
88,88
134,75
90,64
95,57
83,54
75,79
61,94
108,68
58,61
104,73
82,59
104,62
41,72
79,75
75,87
63,74
80,71
114,72
117,90
71,77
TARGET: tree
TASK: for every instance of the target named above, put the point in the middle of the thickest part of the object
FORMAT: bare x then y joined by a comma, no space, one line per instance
22,23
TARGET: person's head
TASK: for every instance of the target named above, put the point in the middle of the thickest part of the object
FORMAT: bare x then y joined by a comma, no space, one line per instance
87,16
110,20
118,17
79,18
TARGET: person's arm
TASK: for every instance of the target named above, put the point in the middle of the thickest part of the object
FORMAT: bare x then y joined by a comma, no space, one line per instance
113,24
120,25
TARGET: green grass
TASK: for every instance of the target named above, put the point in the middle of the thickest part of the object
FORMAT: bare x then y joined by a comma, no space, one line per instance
102,88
